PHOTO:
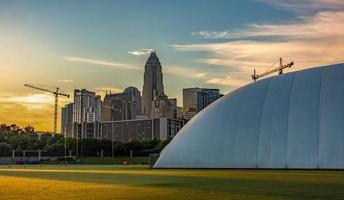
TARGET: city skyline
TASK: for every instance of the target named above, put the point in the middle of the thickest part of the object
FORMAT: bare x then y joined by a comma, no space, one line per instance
104,46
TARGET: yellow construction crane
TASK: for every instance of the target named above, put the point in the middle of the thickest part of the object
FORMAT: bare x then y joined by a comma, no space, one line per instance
53,90
278,69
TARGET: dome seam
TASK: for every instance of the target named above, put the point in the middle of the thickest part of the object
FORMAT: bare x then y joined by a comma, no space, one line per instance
260,118
321,92
288,110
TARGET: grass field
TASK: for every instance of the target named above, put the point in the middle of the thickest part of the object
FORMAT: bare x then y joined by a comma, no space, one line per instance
138,182
115,160
107,160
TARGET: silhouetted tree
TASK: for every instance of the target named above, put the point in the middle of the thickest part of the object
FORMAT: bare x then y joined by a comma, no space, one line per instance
5,149
16,138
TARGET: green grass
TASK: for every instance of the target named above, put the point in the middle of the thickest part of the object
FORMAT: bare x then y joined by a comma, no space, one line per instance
119,160
139,182
115,160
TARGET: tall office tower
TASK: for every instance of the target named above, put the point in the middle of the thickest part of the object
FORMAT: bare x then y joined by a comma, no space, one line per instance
122,106
196,99
153,83
87,113
67,119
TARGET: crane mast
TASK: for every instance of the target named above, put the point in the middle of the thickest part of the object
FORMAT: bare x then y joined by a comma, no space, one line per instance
278,69
56,92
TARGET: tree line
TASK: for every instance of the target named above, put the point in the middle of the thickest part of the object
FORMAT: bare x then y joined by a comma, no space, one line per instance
27,139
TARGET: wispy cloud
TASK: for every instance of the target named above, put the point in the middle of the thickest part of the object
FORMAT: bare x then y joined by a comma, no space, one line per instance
213,34
310,41
140,52
186,72
29,109
304,6
37,115
66,80
232,80
322,25
101,62
28,99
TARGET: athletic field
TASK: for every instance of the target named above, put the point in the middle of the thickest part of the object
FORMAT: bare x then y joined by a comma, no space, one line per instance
138,182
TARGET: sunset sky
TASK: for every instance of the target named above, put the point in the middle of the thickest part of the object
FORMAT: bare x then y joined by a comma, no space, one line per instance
103,45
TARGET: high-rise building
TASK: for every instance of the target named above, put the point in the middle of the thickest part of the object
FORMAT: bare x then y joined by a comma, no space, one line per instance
67,119
196,99
155,103
135,99
122,106
179,112
153,83
149,128
162,106
87,113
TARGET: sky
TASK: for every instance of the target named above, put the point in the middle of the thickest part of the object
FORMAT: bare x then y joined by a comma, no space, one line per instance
103,46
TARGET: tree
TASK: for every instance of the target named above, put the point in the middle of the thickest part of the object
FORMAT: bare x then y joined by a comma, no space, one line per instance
55,149
5,149
163,144
19,139
29,129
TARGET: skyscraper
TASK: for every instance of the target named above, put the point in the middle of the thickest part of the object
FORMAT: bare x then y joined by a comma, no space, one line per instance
67,119
196,99
153,83
122,106
163,107
87,110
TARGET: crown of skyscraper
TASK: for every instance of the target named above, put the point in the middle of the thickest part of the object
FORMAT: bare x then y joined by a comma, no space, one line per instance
153,59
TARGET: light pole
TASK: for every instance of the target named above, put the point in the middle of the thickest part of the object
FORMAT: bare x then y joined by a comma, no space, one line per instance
112,140
65,146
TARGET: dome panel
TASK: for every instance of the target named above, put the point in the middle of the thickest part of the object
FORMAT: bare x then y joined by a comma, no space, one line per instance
331,127
240,138
303,122
272,148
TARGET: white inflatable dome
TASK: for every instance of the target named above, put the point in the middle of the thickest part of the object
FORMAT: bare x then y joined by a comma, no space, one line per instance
295,120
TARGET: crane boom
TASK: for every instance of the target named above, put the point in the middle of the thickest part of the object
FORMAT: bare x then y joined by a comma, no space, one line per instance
278,69
56,92
46,89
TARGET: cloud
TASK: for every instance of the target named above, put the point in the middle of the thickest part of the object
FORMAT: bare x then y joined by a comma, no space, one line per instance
322,25
213,34
30,109
305,6
231,80
36,115
34,101
29,99
186,72
310,41
101,62
66,80
140,52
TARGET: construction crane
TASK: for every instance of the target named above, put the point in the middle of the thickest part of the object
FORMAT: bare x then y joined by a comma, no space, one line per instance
278,69
53,90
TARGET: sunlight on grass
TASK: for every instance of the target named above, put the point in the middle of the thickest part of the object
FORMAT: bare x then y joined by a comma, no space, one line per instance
140,182
33,188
